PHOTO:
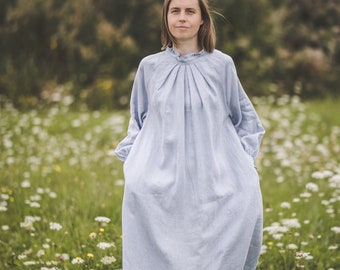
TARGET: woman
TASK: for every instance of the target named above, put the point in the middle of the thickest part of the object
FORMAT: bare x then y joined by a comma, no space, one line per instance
192,198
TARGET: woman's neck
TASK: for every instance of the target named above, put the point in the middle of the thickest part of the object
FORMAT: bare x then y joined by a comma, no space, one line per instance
184,49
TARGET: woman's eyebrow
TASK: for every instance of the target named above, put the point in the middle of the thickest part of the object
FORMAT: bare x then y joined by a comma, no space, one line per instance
189,8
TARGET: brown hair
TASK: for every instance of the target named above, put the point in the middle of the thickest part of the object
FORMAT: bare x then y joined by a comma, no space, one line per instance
206,33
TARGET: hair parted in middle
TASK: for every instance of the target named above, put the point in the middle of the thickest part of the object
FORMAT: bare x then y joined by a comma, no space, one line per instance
206,34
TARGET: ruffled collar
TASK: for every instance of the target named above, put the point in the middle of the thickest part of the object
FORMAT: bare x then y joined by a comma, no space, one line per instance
187,57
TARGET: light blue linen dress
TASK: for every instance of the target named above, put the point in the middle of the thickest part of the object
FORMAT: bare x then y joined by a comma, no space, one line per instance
192,198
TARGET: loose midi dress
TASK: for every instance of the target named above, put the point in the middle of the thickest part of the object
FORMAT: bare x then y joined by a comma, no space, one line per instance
192,198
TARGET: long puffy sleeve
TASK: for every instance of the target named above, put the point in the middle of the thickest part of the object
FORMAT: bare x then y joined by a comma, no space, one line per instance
242,113
138,112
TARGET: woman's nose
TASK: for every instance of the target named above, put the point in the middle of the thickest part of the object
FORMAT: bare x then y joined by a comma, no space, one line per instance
182,16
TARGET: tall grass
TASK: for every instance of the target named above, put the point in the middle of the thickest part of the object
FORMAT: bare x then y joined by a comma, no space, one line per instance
61,186
57,166
300,172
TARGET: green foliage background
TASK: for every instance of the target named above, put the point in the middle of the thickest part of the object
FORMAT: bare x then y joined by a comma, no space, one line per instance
90,49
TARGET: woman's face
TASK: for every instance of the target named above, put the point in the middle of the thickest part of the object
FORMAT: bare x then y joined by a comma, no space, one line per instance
184,20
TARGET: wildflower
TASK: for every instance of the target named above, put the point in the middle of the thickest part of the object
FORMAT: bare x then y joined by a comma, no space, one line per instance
4,197
40,191
333,200
275,228
35,205
321,175
330,211
63,257
27,224
335,229
29,263
77,260
92,235
292,246
35,197
40,253
10,160
277,236
57,168
301,255
334,247
327,173
3,208
263,249
104,245
280,179
334,181
291,223
102,219
285,205
76,123
325,202
22,256
73,161
67,100
305,195
55,226
101,230
119,182
108,260
5,227
25,184
312,187
52,195
90,255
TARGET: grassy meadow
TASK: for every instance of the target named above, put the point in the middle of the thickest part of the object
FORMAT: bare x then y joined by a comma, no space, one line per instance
61,186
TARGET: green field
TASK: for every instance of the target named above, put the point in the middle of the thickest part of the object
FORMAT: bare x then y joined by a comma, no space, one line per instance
61,186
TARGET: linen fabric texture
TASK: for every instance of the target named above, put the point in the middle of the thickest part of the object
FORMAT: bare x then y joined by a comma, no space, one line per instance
192,198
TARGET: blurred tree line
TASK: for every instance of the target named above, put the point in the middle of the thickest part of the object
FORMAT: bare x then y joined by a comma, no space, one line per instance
90,49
